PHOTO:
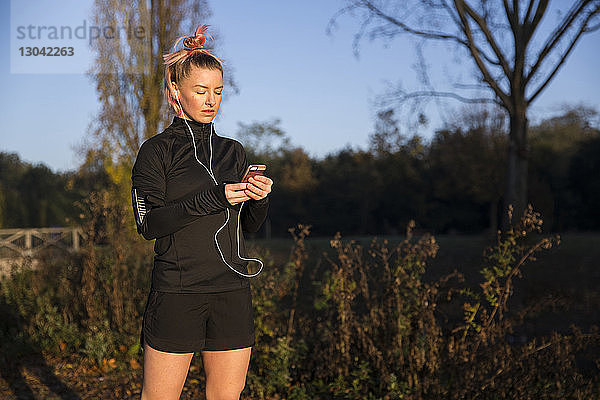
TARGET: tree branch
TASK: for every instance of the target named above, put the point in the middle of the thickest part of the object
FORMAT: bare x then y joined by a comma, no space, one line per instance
556,36
592,28
539,13
509,15
489,37
528,12
433,93
484,71
422,33
408,29
563,58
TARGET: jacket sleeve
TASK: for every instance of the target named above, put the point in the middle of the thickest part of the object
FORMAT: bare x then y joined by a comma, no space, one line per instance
254,212
155,218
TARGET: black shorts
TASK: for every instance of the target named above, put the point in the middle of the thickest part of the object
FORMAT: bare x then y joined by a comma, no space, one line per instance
191,322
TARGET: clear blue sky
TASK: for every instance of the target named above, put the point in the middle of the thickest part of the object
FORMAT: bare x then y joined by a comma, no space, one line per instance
311,81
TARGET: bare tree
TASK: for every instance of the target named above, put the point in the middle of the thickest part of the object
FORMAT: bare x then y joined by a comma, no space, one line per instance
503,39
128,71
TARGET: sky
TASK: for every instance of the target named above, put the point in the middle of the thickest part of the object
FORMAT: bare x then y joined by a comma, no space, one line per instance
284,62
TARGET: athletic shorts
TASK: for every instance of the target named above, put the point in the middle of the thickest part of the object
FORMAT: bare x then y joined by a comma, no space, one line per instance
191,322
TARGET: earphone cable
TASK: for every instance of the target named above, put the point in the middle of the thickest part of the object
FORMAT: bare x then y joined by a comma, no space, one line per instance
210,172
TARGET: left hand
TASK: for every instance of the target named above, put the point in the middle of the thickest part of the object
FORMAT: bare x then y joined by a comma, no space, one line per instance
259,186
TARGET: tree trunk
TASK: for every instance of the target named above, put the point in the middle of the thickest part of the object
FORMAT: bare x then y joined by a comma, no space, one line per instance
516,177
493,218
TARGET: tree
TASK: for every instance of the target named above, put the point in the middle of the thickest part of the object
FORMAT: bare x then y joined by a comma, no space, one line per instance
502,39
12,170
263,140
128,71
585,183
33,195
465,164
557,144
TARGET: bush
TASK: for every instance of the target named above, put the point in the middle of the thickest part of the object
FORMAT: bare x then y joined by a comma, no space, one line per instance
372,329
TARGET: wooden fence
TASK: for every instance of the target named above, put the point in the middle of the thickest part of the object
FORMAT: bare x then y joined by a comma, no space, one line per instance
19,244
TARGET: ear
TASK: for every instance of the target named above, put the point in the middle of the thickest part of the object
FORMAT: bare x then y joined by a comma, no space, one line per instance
175,90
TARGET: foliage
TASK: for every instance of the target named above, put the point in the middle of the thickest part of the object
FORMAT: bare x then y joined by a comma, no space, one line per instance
32,195
514,51
454,183
558,147
365,325
584,184
86,302
383,335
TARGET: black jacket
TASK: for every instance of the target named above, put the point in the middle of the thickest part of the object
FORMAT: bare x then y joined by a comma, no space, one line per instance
184,208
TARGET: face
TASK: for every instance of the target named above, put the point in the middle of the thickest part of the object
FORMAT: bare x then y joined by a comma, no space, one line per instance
200,94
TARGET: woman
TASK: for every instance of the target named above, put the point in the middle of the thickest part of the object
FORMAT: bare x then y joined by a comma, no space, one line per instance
187,194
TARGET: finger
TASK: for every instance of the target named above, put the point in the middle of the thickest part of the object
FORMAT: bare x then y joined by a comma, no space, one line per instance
262,191
260,178
236,192
264,179
254,195
238,198
256,190
257,183
236,195
264,185
236,186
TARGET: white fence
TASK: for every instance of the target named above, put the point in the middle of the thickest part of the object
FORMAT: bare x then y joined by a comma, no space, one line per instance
27,242
19,244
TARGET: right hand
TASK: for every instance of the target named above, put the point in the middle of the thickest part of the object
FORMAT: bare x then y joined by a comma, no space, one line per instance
234,192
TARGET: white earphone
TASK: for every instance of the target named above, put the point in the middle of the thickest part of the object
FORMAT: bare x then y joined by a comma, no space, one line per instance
210,172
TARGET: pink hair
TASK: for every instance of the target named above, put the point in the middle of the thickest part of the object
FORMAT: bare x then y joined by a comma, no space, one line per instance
178,62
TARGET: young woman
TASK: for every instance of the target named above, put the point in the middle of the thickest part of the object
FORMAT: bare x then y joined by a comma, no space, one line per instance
187,194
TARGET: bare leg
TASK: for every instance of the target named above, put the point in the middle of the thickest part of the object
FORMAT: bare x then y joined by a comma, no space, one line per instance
225,373
164,374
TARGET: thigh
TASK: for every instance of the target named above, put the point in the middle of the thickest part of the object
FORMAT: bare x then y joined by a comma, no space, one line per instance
230,322
176,322
164,374
225,372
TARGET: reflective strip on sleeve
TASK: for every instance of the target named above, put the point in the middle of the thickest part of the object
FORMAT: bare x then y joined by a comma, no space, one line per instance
139,207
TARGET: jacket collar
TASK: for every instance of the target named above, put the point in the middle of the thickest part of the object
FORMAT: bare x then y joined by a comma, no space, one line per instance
201,130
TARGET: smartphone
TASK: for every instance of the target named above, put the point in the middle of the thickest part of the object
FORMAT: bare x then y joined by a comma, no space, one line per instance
252,170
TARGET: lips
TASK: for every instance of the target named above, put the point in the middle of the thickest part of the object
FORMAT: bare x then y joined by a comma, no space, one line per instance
208,111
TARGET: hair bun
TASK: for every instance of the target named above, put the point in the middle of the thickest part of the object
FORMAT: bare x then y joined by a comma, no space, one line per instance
197,41
191,44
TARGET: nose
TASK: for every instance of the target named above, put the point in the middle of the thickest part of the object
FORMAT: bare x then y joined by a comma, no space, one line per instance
210,99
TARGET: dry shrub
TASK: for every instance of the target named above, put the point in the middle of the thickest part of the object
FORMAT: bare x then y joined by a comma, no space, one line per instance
89,302
374,330
378,333
279,351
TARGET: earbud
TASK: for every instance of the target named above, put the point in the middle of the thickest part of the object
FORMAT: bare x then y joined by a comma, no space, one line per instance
176,97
